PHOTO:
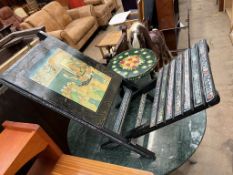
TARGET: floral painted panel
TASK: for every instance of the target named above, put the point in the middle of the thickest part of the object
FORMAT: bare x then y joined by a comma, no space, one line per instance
72,78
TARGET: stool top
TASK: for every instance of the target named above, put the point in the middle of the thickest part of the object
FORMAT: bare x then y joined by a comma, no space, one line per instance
134,63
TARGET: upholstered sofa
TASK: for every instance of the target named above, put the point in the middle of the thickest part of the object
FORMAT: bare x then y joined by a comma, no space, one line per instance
73,26
112,4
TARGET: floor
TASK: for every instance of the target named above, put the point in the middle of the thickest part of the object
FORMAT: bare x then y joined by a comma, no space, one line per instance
215,154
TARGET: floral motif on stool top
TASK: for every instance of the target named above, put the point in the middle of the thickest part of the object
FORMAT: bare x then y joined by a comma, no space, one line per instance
134,63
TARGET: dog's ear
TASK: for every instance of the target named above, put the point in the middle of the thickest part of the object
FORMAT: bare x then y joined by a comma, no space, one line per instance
136,40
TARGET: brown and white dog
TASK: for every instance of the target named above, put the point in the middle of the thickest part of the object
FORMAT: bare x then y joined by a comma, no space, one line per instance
140,37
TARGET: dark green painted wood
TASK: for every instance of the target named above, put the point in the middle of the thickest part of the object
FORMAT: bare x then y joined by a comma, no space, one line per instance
134,63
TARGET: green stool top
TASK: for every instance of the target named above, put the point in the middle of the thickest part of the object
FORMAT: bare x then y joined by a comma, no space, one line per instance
134,63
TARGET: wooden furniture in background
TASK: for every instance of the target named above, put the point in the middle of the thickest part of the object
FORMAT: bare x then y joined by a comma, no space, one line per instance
129,4
121,46
4,31
220,5
141,12
231,34
129,17
109,41
228,7
20,142
168,18
33,6
7,2
12,45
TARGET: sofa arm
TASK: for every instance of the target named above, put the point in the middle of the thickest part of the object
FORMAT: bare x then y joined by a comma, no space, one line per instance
56,34
80,12
25,25
63,36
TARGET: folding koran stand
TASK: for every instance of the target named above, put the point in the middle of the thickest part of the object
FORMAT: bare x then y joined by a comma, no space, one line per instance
184,87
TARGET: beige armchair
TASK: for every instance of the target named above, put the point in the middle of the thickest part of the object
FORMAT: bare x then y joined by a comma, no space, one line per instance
73,26
112,4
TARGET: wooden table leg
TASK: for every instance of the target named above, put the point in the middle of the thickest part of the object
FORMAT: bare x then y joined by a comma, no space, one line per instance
220,5
101,51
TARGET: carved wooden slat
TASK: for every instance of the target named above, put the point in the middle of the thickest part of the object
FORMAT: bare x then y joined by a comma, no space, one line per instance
208,86
122,111
184,87
186,81
178,86
140,140
163,95
156,99
170,93
196,79
141,109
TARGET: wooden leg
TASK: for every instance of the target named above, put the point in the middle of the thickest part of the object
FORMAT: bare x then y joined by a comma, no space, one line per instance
220,5
108,49
101,51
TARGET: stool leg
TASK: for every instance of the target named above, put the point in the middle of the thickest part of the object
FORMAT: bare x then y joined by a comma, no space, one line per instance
101,51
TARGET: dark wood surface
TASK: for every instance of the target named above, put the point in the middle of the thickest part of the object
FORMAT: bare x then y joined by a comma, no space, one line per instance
171,38
16,107
220,5
29,101
129,4
6,53
165,14
167,18
17,78
7,3
5,31
15,41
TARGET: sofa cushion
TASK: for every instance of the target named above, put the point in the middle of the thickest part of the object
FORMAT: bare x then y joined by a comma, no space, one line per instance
25,25
42,18
79,27
58,13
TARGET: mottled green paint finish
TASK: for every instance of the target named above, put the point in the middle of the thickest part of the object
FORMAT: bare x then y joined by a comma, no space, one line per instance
173,144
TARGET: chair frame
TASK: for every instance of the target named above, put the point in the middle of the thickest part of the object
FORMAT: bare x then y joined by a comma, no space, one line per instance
125,139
